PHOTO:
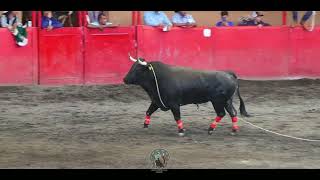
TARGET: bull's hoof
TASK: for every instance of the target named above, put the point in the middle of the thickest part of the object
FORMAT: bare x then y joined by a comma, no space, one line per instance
181,132
235,130
145,125
210,130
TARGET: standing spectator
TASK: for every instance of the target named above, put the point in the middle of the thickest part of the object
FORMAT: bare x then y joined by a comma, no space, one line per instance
156,19
93,16
254,20
102,22
224,20
10,20
303,20
49,22
182,19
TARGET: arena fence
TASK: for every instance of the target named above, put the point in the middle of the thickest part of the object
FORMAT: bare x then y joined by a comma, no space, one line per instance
80,55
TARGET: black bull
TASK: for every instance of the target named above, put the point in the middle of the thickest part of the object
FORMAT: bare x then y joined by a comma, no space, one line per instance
181,86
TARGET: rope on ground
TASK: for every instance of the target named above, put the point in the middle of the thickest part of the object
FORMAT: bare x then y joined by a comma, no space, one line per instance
288,136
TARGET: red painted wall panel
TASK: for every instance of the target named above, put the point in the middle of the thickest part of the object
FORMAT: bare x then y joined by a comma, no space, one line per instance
305,47
61,56
18,65
253,53
78,55
106,54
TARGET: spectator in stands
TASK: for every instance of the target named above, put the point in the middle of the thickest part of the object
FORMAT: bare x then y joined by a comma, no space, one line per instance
10,20
254,20
182,19
102,22
303,20
157,19
224,20
49,22
93,16
65,17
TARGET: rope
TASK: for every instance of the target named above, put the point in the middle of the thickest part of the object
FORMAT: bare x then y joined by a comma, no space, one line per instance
155,78
279,134
303,139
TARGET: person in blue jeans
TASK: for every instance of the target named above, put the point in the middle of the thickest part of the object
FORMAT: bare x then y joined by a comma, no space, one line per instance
303,20
182,19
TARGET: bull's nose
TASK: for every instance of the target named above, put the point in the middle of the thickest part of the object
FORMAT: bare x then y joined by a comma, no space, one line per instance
125,80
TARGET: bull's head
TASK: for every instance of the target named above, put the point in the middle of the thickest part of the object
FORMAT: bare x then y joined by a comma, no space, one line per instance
137,71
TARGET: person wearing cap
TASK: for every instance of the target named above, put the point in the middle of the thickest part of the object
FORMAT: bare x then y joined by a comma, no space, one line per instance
10,20
182,19
254,20
156,19
303,20
224,20
49,22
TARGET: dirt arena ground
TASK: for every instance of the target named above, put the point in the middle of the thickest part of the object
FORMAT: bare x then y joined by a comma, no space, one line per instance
101,127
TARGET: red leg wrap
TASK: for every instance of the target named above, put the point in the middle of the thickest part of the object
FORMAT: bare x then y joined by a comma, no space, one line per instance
234,119
180,124
147,120
218,118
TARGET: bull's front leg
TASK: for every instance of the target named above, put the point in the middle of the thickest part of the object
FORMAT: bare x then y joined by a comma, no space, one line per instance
152,108
177,117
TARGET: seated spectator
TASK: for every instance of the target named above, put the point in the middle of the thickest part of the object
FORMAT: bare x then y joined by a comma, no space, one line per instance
156,19
254,20
64,17
303,20
224,20
102,22
10,20
182,19
49,22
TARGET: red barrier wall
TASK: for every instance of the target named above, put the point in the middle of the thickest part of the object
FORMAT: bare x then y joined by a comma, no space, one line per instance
18,65
253,53
106,54
305,46
61,56
89,56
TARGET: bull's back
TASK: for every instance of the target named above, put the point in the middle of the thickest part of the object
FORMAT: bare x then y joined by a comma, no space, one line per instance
201,86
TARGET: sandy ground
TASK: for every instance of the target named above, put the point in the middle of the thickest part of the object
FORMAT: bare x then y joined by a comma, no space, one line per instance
101,127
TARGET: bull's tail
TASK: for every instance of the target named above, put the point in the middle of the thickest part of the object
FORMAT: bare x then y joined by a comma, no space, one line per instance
242,107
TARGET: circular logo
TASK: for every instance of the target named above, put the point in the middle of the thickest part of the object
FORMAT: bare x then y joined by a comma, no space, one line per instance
159,158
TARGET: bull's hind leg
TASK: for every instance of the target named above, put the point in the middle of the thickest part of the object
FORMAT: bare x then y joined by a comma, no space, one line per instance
152,108
233,114
176,114
219,108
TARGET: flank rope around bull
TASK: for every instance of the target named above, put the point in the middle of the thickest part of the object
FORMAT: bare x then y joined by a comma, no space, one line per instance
279,134
155,78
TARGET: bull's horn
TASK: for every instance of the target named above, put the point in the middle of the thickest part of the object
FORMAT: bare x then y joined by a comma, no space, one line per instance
131,58
142,62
